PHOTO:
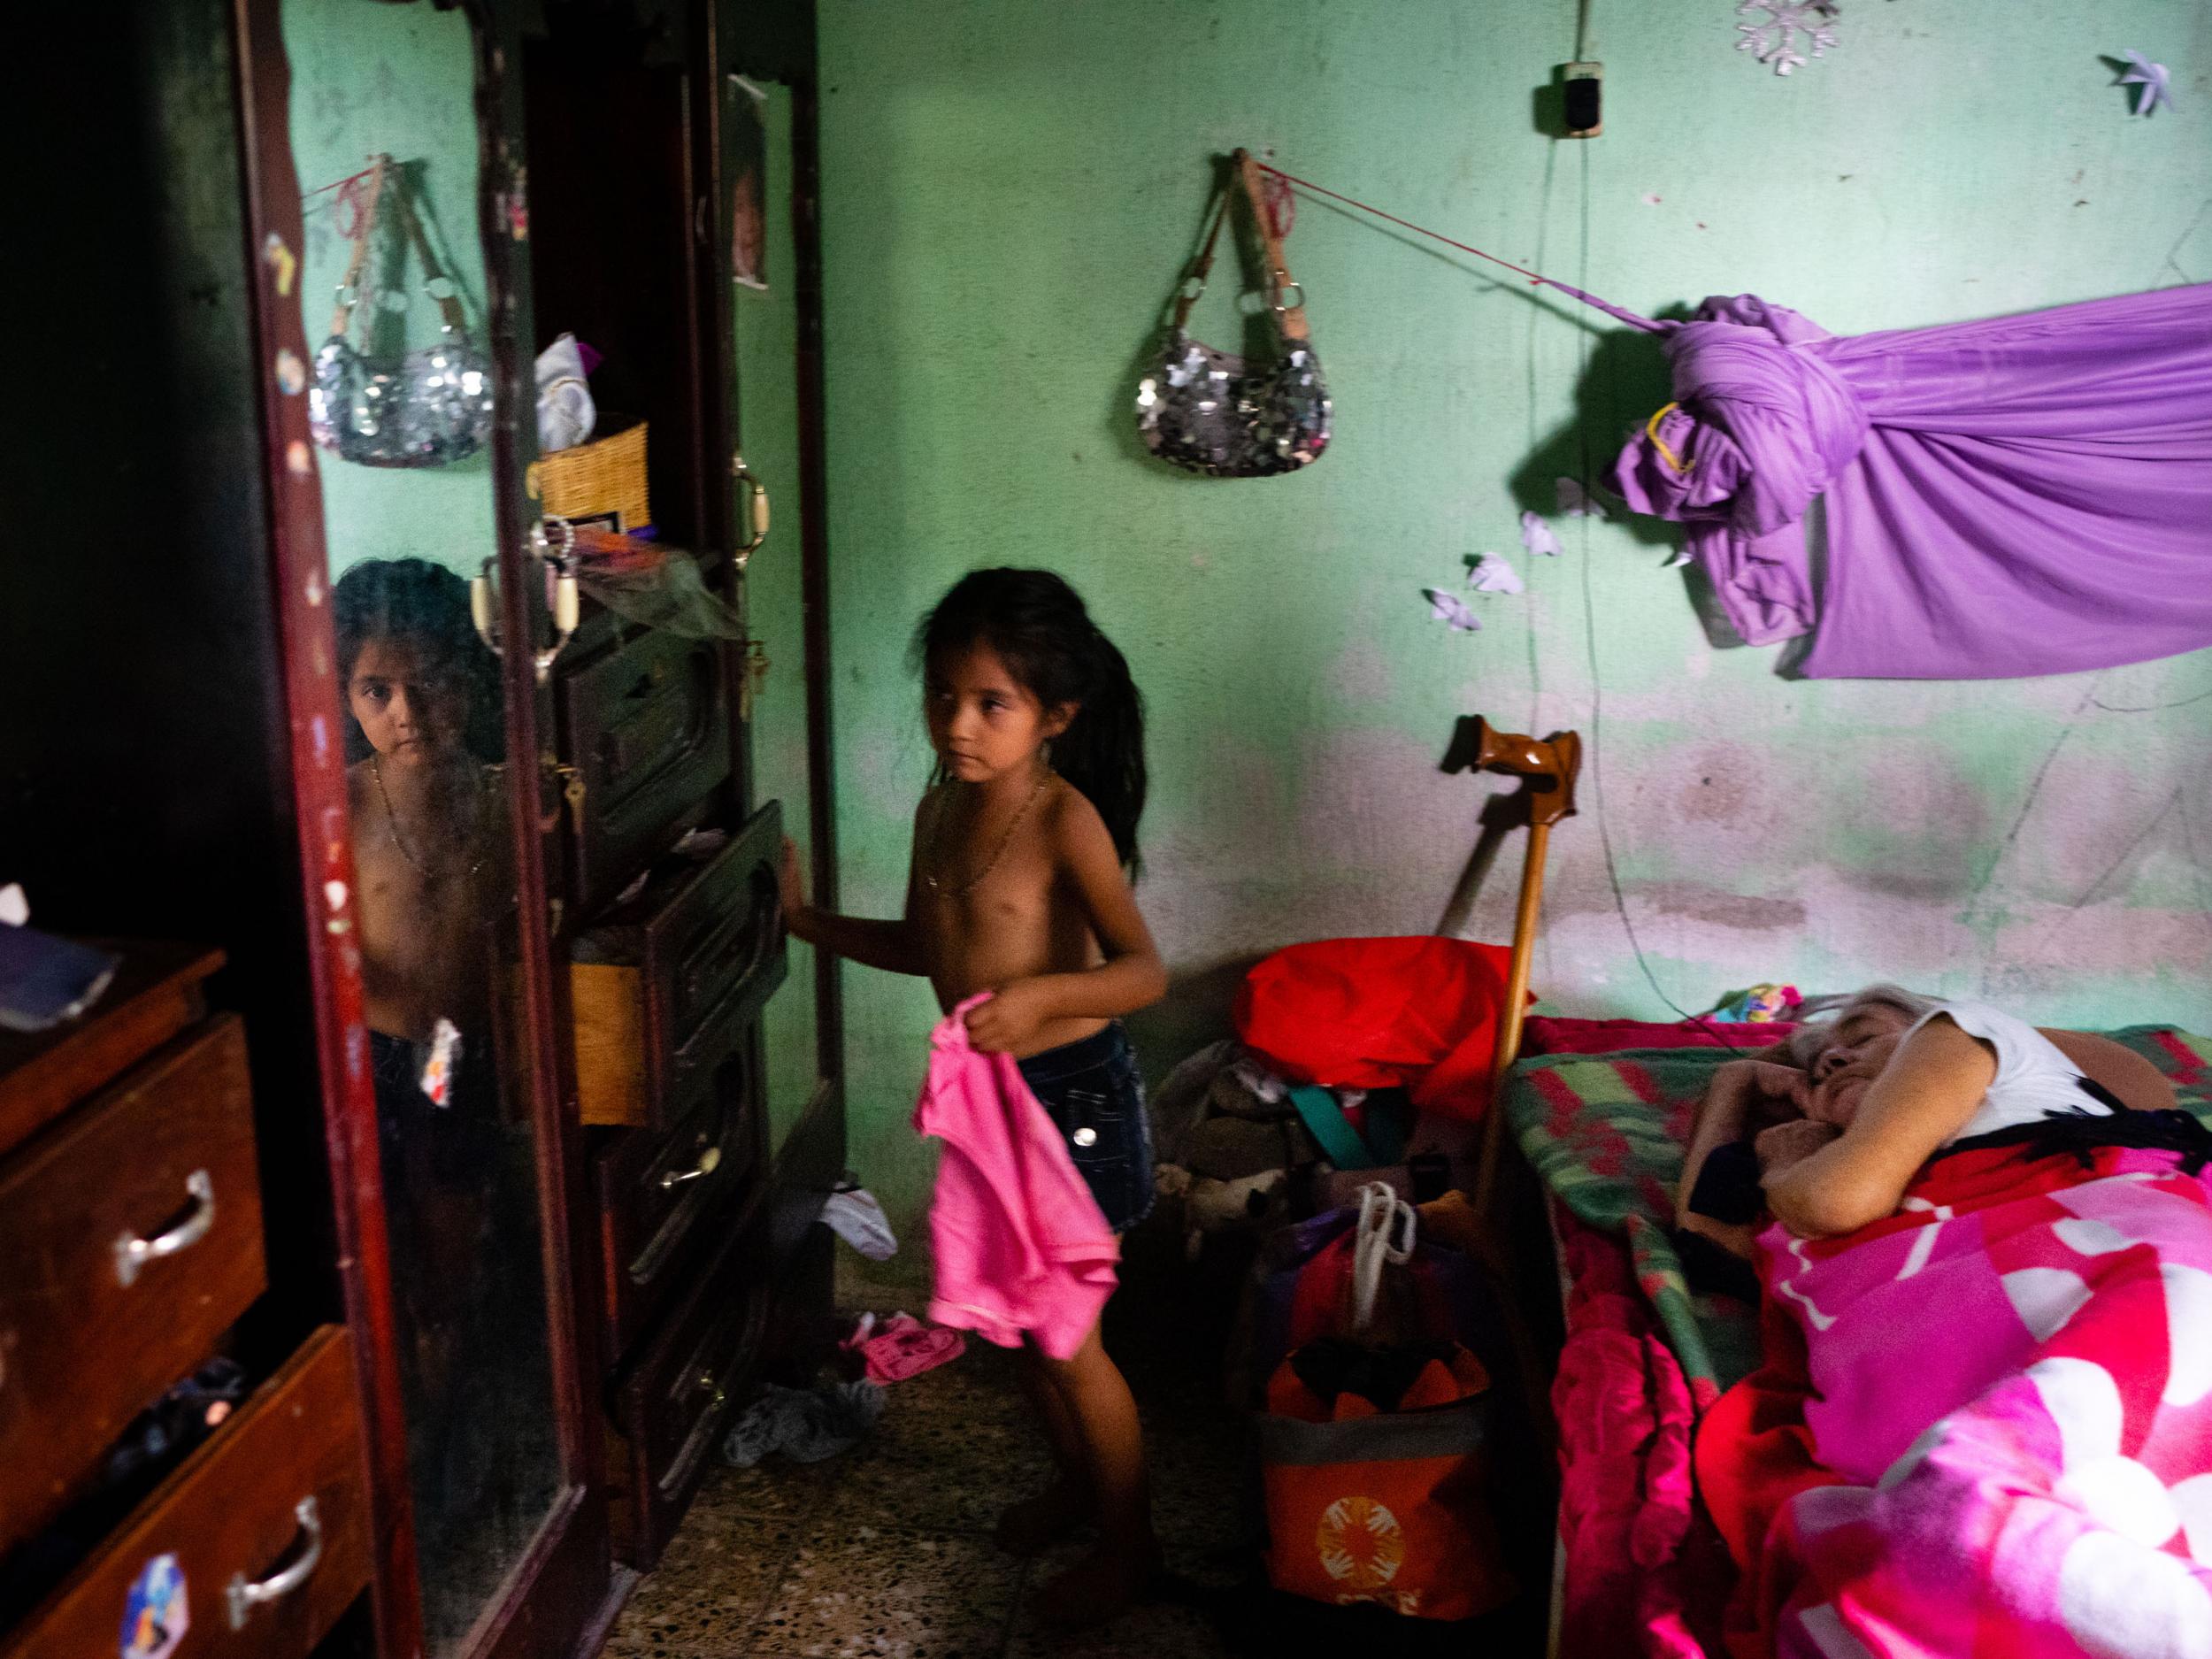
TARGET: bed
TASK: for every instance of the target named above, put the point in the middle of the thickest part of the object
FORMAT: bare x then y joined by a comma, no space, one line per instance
1642,1567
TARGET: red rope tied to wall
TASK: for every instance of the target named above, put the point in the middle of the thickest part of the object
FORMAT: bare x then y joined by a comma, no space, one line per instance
348,202
1610,309
345,212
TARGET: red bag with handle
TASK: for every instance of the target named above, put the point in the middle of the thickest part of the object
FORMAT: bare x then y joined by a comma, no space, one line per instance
1419,1012
1371,1499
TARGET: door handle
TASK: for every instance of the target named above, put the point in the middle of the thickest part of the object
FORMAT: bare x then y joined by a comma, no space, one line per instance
132,1252
557,552
482,612
709,1161
561,601
756,511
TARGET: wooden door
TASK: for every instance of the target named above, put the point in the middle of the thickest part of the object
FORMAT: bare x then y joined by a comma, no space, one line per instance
388,202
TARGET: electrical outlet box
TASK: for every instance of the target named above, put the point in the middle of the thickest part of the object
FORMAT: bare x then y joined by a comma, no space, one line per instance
1583,83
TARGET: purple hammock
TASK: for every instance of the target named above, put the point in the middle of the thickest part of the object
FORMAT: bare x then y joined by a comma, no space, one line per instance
2029,495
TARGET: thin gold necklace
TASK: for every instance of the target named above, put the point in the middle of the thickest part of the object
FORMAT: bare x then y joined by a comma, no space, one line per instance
391,824
937,823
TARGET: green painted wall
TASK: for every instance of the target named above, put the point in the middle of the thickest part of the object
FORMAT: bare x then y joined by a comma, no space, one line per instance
766,329
1010,192
401,80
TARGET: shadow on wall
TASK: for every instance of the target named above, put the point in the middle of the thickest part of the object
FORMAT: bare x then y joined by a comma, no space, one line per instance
1624,382
1624,379
1195,1012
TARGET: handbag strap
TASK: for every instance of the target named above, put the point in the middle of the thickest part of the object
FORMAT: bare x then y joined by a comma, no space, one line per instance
1201,267
365,223
1291,318
449,304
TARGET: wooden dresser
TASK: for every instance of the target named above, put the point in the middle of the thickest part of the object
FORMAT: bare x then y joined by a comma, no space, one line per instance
636,1113
131,1248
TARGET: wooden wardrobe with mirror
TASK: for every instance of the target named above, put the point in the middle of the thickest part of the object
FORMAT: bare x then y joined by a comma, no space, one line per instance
444,775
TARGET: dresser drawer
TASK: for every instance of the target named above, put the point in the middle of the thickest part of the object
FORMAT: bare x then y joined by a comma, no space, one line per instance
267,1525
158,992
130,1241
660,1191
645,719
676,1401
660,990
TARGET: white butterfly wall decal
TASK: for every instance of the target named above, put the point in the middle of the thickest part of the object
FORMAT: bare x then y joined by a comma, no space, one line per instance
1491,574
1452,609
1537,537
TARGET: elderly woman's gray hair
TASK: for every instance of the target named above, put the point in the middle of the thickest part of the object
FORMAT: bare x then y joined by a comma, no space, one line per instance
1815,1034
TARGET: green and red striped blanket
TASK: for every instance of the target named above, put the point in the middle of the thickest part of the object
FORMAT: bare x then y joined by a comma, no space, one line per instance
1606,1135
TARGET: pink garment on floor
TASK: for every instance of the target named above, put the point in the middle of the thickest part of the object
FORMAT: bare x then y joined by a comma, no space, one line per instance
1019,1241
904,1346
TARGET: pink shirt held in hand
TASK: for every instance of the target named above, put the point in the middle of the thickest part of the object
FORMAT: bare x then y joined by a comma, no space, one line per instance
1020,1243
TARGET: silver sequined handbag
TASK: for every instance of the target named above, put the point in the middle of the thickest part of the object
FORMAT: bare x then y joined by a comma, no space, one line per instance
1211,413
426,407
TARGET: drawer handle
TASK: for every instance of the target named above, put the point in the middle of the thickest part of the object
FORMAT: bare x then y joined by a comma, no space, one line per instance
132,1252
709,1161
757,533
244,1595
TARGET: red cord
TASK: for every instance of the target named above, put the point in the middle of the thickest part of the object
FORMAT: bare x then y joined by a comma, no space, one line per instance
1307,184
354,177
348,203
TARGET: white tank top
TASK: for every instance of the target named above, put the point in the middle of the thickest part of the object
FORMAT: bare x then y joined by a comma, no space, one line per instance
2034,1078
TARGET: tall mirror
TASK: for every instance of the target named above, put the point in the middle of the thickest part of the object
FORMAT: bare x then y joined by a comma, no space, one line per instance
393,289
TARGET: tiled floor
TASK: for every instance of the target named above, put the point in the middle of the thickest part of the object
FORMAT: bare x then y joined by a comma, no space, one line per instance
887,1551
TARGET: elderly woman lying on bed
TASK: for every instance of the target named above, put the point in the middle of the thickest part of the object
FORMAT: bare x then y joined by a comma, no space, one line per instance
1983,1420
1825,1132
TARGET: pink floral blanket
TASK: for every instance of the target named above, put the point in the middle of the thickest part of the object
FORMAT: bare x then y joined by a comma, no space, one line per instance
1985,1425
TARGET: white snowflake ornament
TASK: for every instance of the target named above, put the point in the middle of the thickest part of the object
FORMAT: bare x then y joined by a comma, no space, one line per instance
1779,27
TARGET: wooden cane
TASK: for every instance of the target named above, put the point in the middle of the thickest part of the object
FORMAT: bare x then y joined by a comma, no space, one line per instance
1548,769
1510,1018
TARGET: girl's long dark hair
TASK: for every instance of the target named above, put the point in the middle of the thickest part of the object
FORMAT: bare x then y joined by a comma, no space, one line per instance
1038,626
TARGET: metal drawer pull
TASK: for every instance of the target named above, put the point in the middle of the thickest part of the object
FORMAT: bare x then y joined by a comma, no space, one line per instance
244,1596
709,1161
133,1253
758,493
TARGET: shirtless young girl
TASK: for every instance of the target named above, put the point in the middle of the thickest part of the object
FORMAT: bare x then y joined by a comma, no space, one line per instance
1017,886
415,680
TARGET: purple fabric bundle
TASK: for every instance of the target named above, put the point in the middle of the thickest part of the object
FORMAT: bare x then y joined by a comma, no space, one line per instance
2023,495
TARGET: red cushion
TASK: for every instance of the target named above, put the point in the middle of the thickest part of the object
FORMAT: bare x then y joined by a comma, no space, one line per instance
1608,1036
1419,1012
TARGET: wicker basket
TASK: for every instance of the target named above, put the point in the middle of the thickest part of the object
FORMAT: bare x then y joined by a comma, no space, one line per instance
605,476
